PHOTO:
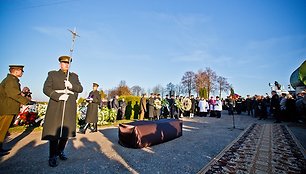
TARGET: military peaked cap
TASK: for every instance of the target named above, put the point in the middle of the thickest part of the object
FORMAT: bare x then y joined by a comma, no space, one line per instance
95,84
66,59
16,66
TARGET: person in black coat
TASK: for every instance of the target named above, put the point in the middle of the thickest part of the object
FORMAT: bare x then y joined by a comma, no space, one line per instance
249,105
193,106
60,124
94,100
172,106
122,108
115,105
275,106
151,106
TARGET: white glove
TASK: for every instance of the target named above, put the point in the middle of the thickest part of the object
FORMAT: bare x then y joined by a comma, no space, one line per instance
68,84
90,100
64,97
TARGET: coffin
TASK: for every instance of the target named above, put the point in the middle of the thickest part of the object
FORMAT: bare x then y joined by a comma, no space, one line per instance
141,134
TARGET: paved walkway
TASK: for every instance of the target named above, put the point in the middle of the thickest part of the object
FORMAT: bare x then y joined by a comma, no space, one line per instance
203,139
262,148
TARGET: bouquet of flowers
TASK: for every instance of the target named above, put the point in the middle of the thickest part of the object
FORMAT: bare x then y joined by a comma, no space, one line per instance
178,104
27,115
157,104
165,103
42,109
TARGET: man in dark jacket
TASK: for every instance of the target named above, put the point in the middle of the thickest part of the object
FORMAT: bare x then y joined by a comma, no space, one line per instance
10,100
115,104
275,106
193,106
60,121
94,100
122,108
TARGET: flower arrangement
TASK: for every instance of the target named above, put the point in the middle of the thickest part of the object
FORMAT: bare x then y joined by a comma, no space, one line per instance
157,104
186,104
165,103
178,104
81,114
106,115
27,115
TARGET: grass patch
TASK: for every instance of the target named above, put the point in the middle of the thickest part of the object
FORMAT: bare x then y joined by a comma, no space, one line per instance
20,129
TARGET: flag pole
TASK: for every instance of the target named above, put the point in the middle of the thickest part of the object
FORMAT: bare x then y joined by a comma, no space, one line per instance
74,34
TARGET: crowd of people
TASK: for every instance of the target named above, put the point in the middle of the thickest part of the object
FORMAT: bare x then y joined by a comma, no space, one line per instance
154,107
281,106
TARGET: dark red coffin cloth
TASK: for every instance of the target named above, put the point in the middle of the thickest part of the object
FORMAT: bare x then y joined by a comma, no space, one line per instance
141,134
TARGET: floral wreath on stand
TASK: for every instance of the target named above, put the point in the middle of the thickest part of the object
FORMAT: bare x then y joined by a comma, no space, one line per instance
186,104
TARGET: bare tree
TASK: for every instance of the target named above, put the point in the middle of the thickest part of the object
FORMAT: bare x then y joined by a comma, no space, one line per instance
223,85
122,83
188,81
136,90
170,87
157,89
206,79
180,89
200,80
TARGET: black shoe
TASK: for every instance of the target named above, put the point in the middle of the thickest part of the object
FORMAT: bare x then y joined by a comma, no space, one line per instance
62,156
94,130
53,161
81,132
5,150
4,153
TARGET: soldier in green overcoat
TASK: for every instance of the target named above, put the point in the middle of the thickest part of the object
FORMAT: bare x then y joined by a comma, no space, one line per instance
60,91
10,100
94,101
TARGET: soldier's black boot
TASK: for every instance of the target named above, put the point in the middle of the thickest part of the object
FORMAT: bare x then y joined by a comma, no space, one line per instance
60,149
3,151
83,131
52,153
95,127
53,161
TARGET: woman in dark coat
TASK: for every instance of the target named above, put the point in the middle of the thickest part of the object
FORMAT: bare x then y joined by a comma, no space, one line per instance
58,127
151,107
94,100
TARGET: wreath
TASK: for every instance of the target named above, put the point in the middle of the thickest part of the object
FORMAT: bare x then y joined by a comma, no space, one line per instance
186,104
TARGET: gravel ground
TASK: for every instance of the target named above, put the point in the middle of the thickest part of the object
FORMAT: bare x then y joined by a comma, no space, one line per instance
203,138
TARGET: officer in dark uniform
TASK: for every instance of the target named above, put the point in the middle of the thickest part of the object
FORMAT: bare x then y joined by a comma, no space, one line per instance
60,122
10,100
94,101
239,105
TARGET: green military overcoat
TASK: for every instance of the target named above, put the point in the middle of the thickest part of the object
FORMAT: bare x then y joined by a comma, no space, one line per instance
92,108
53,119
10,96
